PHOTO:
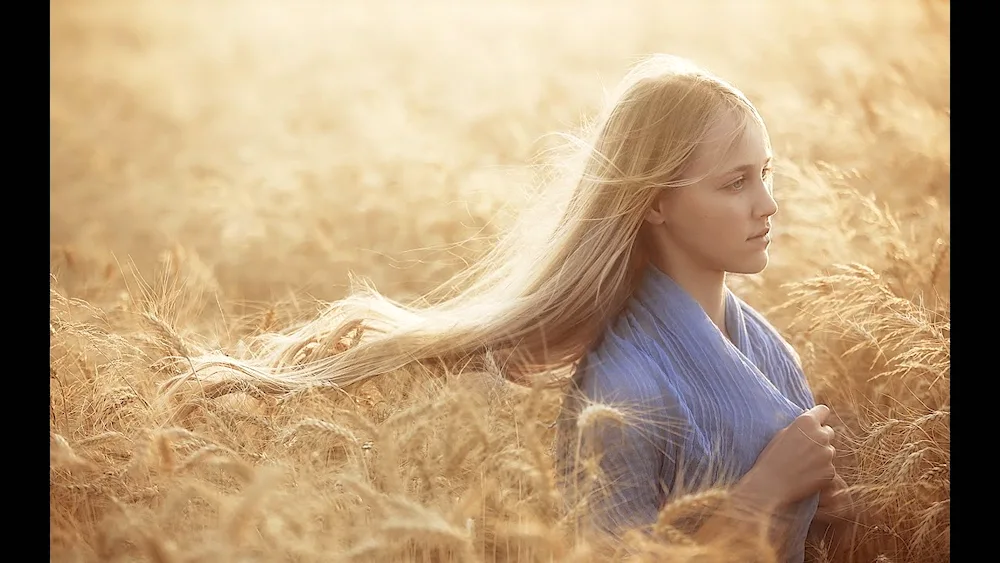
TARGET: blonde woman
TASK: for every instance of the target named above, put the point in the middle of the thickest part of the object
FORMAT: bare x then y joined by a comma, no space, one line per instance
628,282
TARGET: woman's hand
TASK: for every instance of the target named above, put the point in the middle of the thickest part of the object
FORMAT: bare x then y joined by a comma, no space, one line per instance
796,463
835,503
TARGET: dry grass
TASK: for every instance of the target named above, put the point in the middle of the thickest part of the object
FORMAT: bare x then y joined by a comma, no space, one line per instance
242,155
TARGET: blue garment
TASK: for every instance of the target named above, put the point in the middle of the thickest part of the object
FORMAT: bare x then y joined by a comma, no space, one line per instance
706,406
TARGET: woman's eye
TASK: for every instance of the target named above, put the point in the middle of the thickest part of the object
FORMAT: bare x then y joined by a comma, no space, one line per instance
737,185
766,173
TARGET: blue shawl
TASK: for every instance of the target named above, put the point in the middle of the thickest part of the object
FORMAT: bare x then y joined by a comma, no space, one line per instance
704,406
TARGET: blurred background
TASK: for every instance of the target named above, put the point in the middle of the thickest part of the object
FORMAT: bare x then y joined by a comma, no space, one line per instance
287,142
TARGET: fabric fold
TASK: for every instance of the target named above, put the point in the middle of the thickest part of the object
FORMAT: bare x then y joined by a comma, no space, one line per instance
701,407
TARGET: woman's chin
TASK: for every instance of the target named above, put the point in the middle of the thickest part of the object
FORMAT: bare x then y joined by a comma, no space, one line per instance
753,264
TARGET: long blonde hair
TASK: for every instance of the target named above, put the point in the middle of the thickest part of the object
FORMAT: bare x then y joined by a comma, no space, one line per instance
543,296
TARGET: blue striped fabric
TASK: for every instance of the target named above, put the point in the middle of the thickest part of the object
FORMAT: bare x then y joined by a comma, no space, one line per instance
701,408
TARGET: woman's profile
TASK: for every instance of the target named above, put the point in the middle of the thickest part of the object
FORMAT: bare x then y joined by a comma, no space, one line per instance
625,283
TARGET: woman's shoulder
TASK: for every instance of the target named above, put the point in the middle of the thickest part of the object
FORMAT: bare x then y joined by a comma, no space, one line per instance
620,367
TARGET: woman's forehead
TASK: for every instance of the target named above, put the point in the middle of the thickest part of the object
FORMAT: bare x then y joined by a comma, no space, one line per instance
732,141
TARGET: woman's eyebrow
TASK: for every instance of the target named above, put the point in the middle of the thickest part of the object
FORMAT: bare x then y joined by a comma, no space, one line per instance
744,167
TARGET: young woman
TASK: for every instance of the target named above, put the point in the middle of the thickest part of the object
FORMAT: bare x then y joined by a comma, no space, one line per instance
627,279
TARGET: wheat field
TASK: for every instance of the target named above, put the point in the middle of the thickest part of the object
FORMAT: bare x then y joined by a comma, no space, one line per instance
219,168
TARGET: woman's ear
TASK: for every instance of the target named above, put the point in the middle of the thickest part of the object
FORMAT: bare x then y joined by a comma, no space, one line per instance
656,214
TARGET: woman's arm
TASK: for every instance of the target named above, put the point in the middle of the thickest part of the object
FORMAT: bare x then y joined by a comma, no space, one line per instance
746,514
629,494
837,519
634,439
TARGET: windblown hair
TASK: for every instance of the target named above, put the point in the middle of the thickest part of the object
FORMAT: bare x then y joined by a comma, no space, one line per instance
548,289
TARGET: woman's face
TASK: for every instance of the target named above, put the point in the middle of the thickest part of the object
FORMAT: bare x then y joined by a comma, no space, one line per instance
716,223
